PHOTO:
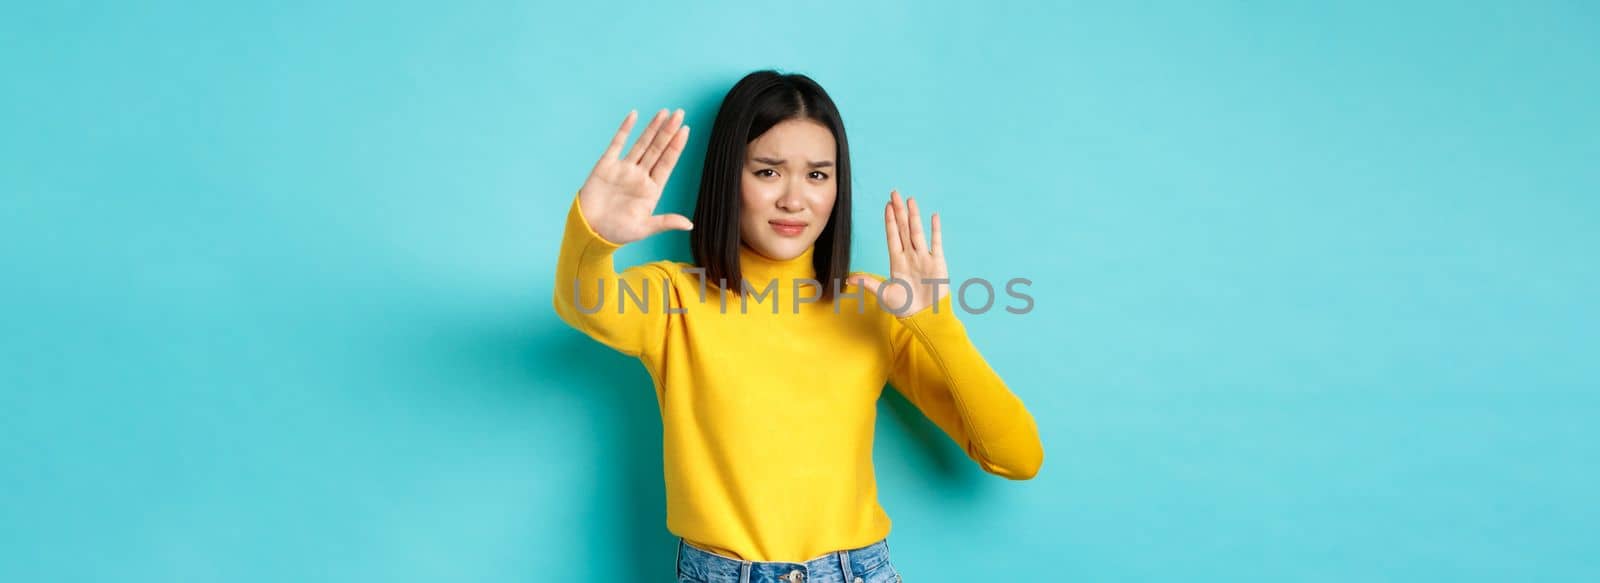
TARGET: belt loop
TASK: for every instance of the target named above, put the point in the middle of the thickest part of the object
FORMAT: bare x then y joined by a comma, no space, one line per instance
844,565
744,571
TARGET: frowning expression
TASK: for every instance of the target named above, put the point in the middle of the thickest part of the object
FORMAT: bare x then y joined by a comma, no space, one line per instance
787,188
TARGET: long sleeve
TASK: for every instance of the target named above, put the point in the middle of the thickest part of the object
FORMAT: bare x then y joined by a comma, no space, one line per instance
939,370
596,300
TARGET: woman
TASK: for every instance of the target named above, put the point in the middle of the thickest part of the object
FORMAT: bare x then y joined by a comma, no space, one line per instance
767,354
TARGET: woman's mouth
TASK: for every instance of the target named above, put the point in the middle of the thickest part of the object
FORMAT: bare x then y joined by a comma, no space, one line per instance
788,228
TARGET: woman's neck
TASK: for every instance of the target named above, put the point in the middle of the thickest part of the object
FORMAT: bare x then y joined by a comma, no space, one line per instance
759,269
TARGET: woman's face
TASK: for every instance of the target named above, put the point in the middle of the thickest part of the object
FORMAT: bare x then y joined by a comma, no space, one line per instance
787,188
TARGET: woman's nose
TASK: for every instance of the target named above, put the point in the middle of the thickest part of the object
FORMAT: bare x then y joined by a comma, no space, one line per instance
789,201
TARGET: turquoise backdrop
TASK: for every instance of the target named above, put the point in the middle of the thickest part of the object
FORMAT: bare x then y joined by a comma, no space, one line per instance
1315,285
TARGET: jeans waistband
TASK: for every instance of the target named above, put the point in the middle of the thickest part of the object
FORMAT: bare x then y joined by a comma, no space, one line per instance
844,565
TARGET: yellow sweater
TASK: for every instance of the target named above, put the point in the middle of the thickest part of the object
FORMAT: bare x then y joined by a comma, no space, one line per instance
768,419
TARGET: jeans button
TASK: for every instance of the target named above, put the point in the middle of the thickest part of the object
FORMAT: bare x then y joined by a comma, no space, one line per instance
858,580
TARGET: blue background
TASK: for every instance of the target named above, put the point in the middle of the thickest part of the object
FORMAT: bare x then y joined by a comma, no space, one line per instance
1315,287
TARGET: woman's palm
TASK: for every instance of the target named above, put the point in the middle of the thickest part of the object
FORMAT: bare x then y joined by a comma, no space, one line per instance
914,258
620,196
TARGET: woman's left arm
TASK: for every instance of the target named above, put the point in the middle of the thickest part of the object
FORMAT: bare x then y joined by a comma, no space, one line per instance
936,366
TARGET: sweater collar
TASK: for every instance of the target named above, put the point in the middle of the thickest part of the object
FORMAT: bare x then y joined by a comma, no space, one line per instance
759,269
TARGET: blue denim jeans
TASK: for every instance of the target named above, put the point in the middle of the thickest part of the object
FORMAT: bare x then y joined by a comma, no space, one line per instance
868,564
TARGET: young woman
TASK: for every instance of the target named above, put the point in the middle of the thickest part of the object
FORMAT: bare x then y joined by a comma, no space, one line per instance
767,353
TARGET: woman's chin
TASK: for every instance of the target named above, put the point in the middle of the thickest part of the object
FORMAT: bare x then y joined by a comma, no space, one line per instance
781,251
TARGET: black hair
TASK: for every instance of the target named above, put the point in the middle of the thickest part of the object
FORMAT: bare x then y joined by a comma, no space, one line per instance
757,102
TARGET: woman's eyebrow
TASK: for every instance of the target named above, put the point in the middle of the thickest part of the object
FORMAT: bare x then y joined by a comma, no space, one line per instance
780,161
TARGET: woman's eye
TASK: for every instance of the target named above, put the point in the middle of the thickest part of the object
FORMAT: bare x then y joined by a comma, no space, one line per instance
820,176
759,172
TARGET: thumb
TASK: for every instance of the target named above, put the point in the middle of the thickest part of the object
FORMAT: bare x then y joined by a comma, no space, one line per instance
670,222
870,283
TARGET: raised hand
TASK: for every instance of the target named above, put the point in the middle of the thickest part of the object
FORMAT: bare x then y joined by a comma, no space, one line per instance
912,259
619,198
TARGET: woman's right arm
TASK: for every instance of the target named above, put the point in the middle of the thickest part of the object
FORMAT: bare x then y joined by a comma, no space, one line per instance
616,206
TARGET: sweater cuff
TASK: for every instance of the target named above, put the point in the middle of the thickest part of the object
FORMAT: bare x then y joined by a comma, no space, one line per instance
939,316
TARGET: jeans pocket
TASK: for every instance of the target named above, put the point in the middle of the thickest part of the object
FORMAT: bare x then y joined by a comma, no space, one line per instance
883,573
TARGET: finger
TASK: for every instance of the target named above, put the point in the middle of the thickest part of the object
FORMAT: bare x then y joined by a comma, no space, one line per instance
918,243
617,140
669,158
643,141
867,282
938,238
664,137
891,232
670,222
900,218
864,280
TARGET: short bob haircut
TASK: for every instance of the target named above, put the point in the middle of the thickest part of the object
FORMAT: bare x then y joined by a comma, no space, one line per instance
756,103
